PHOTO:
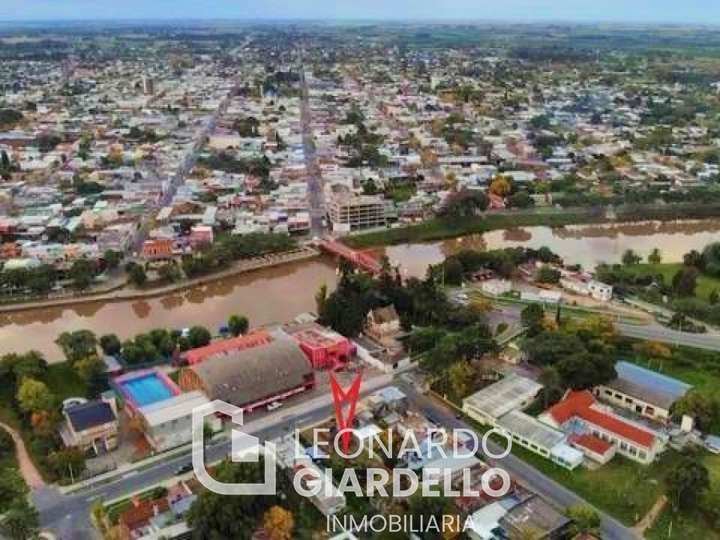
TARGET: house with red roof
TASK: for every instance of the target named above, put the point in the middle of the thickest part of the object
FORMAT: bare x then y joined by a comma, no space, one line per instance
579,414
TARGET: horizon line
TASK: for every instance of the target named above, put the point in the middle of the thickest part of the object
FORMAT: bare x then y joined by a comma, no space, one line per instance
389,20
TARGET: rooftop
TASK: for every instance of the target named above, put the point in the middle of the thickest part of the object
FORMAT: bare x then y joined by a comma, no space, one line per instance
504,396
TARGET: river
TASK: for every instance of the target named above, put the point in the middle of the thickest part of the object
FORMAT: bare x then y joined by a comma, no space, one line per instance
280,293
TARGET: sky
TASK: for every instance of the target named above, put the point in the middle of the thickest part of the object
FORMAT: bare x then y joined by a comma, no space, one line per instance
632,11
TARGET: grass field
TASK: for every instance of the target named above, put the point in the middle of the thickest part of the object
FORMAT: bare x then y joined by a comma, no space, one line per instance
705,284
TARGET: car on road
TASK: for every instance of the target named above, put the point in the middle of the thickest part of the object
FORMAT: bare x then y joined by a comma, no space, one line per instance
184,469
274,405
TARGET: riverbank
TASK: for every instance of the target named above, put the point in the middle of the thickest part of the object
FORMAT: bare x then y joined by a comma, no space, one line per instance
443,229
124,293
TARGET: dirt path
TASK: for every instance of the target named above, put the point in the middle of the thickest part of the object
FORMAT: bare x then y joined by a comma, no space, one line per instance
29,472
649,520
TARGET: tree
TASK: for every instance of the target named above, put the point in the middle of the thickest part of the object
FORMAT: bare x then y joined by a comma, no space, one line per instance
278,523
199,336
521,199
711,259
238,324
714,297
501,186
67,463
585,370
694,258
82,273
630,258
137,275
552,385
547,274
31,364
214,516
110,344
685,482
78,344
12,486
33,396
91,370
532,317
703,408
170,272
7,445
460,376
655,256
21,521
585,520
112,258
685,280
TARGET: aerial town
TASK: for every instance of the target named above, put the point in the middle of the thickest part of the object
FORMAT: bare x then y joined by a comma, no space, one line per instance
293,232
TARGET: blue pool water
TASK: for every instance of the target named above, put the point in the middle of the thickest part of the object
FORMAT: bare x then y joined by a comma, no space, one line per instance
148,389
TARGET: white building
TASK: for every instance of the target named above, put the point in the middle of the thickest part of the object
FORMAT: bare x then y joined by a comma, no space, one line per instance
168,423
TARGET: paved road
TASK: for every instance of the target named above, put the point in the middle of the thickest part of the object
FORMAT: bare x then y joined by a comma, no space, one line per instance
518,469
656,332
316,195
68,515
653,331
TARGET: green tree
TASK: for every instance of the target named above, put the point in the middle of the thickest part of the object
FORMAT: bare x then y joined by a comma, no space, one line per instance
34,396
655,256
199,336
460,376
78,344
552,385
214,516
585,520
238,324
684,281
112,258
21,521
82,273
685,482
110,344
630,258
91,370
137,275
704,408
547,274
532,318
67,463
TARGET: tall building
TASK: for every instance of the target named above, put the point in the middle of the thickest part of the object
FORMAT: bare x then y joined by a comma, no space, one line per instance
349,212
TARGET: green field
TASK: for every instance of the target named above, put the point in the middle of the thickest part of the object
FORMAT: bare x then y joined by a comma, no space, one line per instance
705,284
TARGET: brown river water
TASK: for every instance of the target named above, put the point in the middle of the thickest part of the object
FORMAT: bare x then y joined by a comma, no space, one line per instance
280,293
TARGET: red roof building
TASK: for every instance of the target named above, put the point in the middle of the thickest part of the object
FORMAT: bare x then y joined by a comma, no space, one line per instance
325,348
253,339
160,248
579,413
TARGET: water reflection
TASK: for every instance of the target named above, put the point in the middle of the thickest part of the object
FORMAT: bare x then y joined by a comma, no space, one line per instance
277,294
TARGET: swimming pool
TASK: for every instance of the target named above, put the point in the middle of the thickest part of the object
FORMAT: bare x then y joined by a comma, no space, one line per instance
148,389
145,387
